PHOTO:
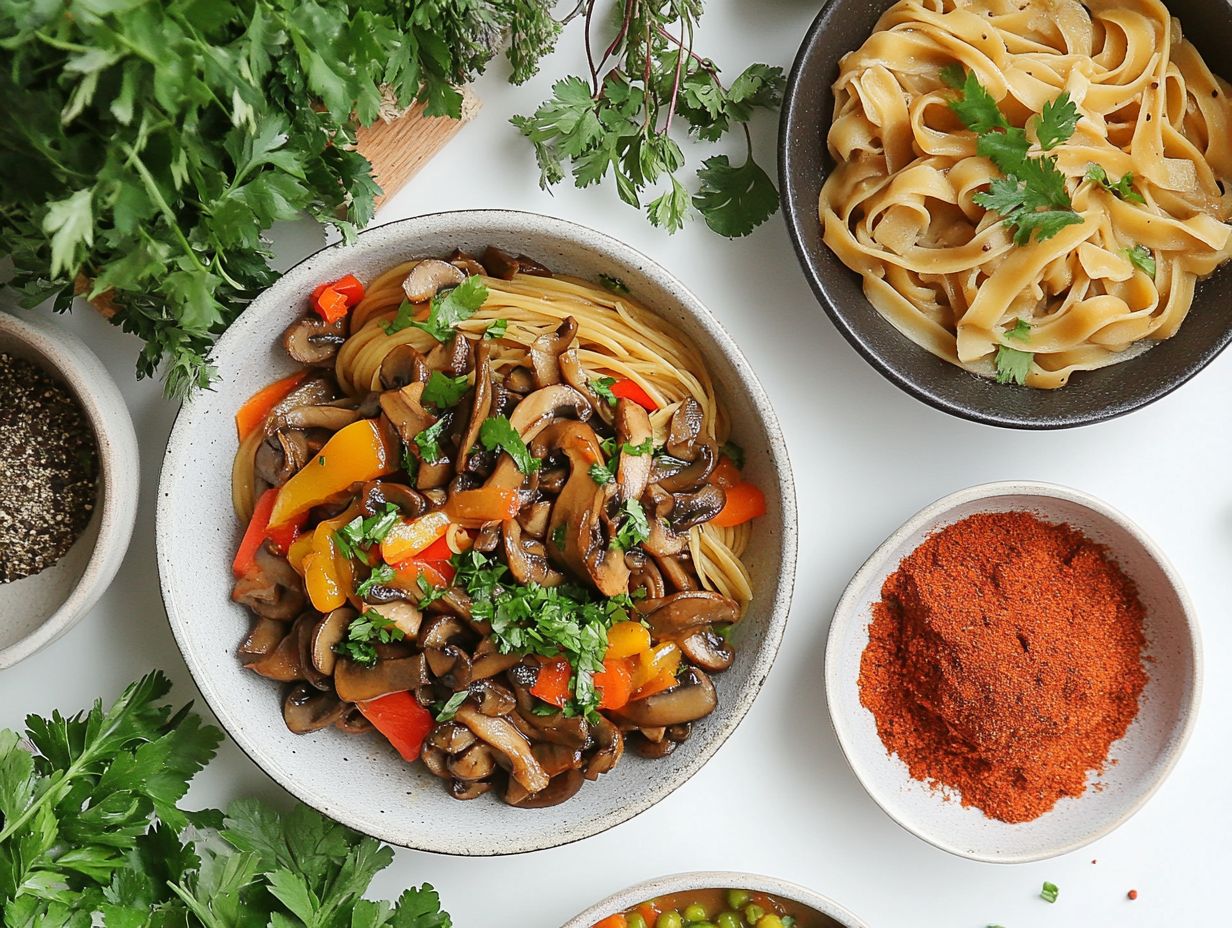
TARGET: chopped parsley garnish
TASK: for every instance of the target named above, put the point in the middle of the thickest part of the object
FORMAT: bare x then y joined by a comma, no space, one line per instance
615,284
430,593
429,441
496,329
361,533
558,536
449,307
443,391
381,574
602,387
1123,188
363,635
1049,892
410,464
544,710
1031,199
1021,332
1142,258
634,528
600,474
560,621
641,449
732,450
450,708
321,460
1013,365
498,432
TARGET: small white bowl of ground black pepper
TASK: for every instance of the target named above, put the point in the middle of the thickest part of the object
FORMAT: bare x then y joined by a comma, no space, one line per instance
68,482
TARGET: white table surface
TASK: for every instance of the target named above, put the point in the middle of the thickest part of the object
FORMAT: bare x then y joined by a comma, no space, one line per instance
779,797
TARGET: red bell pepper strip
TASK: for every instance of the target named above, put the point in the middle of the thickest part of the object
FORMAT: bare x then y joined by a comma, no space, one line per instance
402,720
349,286
552,685
615,684
259,529
257,407
744,502
331,305
627,389
439,550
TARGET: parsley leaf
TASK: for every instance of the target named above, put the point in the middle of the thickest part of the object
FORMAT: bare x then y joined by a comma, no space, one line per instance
496,329
1142,258
1123,188
1013,365
1021,331
602,387
448,308
451,706
443,391
361,533
600,474
381,574
497,432
429,441
634,528
613,283
364,633
732,450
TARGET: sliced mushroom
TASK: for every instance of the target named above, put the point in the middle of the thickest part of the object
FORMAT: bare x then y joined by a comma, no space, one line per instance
520,380
327,634
610,747
568,731
676,614
463,791
644,575
501,735
663,540
556,758
450,665
405,615
464,261
312,340
375,495
475,763
320,416
481,403
527,557
428,277
708,650
357,683
693,699
633,429
453,357
271,588
263,637
284,662
441,630
545,352
451,737
280,456
404,409
435,760
651,750
491,664
492,698
689,478
695,508
534,519
503,265
403,365
678,572
531,416
353,722
684,430
306,709
560,789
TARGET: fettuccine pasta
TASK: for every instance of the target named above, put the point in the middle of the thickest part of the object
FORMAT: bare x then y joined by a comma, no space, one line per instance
900,208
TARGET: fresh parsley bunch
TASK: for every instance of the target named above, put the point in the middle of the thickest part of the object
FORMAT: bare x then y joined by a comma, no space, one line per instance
150,144
91,833
644,76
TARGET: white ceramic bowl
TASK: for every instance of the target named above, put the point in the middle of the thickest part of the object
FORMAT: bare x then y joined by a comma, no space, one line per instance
713,879
1144,756
360,781
39,609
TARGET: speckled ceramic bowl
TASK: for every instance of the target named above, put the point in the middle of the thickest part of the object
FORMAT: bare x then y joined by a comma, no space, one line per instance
39,609
360,780
714,879
1143,758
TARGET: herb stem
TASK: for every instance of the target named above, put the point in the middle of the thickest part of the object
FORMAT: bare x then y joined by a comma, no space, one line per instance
156,195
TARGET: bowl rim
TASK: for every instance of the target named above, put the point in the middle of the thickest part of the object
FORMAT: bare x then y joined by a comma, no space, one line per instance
693,880
619,252
796,221
847,611
71,360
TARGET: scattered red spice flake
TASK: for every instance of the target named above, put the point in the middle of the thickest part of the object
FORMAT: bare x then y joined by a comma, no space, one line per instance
1132,894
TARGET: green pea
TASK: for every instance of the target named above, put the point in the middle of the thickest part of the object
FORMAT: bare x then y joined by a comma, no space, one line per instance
770,921
737,898
669,920
694,913
726,920
753,913
635,921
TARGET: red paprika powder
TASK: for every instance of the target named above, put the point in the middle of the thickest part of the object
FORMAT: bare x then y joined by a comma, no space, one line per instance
1004,659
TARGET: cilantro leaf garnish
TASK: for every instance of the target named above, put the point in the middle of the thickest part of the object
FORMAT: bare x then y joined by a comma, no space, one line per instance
448,308
496,329
381,574
601,474
365,632
1142,258
1057,122
1020,331
1013,365
732,450
602,387
429,441
976,108
1123,188
613,283
498,432
443,391
634,527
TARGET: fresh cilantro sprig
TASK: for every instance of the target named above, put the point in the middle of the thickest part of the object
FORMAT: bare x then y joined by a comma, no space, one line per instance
498,432
447,309
364,633
560,621
618,119
1142,258
634,528
602,387
91,832
357,536
428,442
443,391
380,575
1123,188
1031,198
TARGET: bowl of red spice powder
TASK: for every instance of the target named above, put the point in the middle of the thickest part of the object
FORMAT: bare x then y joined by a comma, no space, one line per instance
1014,672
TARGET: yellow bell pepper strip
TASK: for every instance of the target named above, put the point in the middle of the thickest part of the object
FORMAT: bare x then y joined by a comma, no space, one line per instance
659,662
361,451
328,573
626,639
407,539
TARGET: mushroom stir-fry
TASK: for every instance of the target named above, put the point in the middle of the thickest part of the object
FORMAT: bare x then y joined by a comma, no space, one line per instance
490,566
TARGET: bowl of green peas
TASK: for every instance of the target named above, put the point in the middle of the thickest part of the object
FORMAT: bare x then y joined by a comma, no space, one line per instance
716,899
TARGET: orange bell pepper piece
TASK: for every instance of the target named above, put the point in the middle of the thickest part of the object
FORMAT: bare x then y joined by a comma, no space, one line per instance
662,658
349,286
725,474
627,389
334,300
259,529
250,416
402,720
437,573
744,502
664,681
614,683
650,912
358,452
613,921
485,504
408,539
625,639
552,685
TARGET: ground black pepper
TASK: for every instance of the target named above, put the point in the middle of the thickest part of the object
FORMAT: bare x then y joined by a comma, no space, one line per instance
48,469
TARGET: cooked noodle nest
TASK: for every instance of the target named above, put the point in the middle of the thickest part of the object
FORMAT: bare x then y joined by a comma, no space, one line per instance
899,210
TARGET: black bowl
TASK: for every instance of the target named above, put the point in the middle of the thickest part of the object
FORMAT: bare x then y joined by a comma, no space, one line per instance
1093,396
